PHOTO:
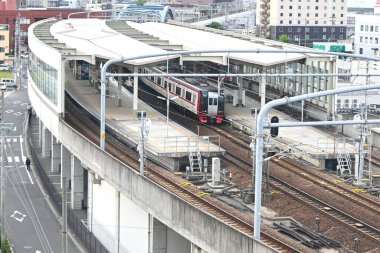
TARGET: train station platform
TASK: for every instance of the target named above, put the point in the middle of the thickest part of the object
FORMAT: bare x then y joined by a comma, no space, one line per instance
169,144
308,143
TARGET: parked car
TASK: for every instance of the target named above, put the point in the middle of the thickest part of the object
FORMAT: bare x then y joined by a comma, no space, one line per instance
5,68
8,83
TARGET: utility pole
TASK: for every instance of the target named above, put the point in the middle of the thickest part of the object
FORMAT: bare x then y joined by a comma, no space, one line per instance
332,19
5,128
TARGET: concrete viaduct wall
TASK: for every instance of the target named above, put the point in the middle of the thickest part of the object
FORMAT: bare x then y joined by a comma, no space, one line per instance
198,227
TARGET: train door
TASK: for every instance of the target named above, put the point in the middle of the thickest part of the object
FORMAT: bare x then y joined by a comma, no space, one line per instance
212,104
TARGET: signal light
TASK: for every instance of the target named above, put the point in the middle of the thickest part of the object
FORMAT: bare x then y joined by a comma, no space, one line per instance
274,130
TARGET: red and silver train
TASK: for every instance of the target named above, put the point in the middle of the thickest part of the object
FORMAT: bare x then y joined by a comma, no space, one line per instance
199,98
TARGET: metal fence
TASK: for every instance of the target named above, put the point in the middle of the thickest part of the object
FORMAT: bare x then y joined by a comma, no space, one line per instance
91,243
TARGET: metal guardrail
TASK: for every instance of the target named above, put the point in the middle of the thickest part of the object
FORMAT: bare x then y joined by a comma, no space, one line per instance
91,243
189,144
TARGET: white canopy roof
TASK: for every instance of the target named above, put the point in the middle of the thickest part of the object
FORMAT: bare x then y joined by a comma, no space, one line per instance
193,39
93,37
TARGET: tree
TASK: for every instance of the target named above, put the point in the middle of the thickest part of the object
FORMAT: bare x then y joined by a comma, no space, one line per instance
284,38
141,2
216,25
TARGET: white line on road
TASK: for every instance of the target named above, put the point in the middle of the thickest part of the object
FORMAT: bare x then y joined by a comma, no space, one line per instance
17,159
9,158
22,155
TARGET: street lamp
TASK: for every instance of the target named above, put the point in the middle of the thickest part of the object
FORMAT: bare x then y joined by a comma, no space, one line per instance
167,110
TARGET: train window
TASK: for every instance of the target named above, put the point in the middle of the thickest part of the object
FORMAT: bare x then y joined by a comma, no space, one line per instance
188,96
170,87
215,101
210,101
165,84
178,91
159,80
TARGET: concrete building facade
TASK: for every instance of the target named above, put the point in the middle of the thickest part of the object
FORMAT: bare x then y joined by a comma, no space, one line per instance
367,36
4,41
304,21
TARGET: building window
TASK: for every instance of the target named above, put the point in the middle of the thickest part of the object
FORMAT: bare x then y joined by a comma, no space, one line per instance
2,37
2,50
307,36
281,29
360,50
324,36
282,7
333,29
371,28
371,40
361,27
366,28
289,29
307,14
281,14
316,22
299,14
376,40
281,22
316,15
340,37
316,7
298,29
366,40
315,29
341,22
325,7
299,22
376,28
290,7
324,29
299,7
290,14
361,38
332,36
290,22
307,29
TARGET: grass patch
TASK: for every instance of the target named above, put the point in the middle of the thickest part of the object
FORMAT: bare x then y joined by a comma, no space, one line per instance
6,74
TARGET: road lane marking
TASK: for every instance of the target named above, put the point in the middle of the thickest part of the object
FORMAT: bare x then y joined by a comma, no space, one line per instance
9,158
18,216
14,139
24,158
17,159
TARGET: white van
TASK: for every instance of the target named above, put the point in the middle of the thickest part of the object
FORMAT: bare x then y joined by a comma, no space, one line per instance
8,83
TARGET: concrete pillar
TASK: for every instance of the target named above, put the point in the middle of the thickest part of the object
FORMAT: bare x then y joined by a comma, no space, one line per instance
240,96
299,80
119,87
90,202
331,84
76,183
318,84
55,154
117,220
159,237
65,165
305,79
135,89
40,127
46,142
263,87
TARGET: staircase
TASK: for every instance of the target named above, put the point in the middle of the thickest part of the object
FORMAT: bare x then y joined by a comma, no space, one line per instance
343,158
195,160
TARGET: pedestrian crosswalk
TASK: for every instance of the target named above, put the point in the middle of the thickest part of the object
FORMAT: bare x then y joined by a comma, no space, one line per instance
16,159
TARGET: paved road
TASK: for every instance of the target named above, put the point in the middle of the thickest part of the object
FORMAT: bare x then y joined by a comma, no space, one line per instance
31,226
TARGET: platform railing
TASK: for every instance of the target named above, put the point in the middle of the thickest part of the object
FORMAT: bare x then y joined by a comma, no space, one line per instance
191,144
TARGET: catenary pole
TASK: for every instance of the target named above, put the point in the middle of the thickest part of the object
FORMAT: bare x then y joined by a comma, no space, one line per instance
260,138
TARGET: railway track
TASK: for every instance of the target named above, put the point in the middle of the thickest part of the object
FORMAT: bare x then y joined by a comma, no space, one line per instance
115,147
313,202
